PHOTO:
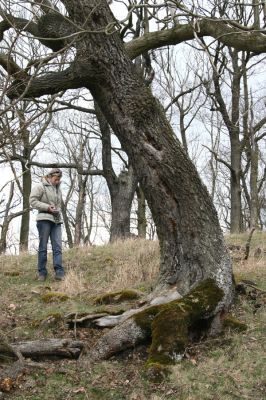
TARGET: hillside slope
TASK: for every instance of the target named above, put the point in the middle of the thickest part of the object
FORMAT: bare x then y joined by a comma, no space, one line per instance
231,366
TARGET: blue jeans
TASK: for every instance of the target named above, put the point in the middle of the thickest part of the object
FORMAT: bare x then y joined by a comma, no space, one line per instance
48,229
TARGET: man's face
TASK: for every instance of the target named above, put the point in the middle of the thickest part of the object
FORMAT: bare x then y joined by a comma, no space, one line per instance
55,180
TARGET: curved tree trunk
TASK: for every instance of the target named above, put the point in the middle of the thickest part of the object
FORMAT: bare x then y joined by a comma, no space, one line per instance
191,241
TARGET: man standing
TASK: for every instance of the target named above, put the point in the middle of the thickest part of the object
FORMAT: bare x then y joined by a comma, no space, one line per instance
46,198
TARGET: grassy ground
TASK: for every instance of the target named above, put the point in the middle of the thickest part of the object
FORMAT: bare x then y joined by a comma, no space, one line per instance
232,366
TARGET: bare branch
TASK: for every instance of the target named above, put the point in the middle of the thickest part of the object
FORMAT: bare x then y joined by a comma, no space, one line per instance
175,99
227,32
219,159
51,83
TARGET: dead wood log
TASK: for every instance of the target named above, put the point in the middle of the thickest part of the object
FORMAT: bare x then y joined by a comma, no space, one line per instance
126,335
83,320
46,348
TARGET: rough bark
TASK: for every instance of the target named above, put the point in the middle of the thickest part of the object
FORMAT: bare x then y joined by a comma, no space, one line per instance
235,187
187,225
231,33
122,194
227,32
253,159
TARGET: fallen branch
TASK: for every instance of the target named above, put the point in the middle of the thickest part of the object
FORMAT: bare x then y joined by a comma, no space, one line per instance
10,348
59,348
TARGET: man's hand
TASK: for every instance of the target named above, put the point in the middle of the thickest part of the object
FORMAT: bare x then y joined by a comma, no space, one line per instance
51,209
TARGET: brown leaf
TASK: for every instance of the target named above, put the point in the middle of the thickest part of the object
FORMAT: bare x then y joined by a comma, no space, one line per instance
6,384
79,390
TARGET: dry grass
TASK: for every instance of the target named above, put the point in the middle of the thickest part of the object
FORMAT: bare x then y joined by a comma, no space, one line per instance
254,268
224,368
134,262
258,239
123,264
74,283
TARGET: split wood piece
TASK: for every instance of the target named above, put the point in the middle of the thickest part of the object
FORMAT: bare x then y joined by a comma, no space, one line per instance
84,321
46,348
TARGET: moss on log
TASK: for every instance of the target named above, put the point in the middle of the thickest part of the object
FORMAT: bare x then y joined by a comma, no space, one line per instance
170,324
50,297
116,297
232,323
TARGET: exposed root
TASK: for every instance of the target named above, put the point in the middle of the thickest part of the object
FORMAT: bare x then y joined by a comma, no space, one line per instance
169,325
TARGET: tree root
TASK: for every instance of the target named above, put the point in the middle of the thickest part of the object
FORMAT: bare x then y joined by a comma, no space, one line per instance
169,325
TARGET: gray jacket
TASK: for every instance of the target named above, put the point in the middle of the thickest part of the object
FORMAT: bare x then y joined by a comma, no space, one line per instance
42,196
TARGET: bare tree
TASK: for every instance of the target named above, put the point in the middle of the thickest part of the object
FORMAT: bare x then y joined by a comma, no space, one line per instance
192,246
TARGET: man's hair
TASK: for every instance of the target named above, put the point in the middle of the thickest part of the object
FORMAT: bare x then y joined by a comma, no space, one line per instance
55,172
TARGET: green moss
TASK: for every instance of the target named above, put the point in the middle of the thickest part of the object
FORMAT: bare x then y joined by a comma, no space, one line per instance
144,318
55,316
116,297
170,323
230,322
50,319
238,278
111,310
35,323
54,296
156,372
109,261
12,273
